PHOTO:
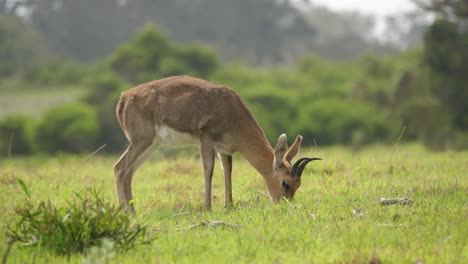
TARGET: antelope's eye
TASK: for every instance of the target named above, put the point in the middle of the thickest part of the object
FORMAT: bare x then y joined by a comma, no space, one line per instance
286,185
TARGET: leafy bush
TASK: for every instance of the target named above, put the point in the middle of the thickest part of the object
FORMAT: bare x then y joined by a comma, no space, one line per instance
196,60
20,46
426,118
104,93
84,222
459,141
136,60
151,55
110,132
69,128
56,72
338,121
446,56
274,112
17,135
102,87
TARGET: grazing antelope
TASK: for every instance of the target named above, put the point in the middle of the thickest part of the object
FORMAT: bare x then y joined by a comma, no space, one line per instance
183,109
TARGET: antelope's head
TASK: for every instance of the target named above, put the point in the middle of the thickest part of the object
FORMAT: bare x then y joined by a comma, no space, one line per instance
287,176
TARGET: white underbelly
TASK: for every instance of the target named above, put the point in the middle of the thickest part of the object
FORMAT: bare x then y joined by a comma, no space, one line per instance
220,148
170,137
166,136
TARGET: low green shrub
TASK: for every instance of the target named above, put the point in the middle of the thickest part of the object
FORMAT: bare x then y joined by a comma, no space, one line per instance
428,121
104,91
85,221
340,121
56,72
110,132
103,86
17,135
151,55
69,128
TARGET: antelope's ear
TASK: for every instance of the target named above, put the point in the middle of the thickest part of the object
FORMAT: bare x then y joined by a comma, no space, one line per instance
280,150
294,149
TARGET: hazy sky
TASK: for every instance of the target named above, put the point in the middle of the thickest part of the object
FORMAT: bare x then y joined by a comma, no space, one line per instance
376,7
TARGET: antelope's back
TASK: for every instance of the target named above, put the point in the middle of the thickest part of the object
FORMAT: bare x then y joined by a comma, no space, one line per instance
191,105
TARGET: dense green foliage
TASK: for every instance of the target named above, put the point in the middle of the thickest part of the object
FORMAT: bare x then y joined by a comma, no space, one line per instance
17,135
71,128
20,46
76,227
150,55
103,93
259,32
329,121
319,226
446,54
55,72
418,94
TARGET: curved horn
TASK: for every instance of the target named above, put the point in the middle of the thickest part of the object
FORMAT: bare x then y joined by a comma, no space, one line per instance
299,166
295,166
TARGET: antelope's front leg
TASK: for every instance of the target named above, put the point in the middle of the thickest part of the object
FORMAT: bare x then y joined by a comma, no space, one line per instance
226,162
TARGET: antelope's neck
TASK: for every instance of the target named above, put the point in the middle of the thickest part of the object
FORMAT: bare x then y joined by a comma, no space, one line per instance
260,155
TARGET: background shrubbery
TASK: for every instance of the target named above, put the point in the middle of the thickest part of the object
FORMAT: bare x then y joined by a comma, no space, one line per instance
364,100
17,135
338,121
72,128
56,73
357,102
103,94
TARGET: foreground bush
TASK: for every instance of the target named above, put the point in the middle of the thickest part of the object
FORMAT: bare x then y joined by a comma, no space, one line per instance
84,222
70,128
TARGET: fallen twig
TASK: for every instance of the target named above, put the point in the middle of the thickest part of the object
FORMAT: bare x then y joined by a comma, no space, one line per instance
211,224
403,201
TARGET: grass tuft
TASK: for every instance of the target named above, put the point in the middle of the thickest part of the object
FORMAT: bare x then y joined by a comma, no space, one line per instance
81,224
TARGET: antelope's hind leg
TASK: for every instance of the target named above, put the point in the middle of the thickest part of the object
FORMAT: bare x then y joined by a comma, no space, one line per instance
142,141
207,155
125,168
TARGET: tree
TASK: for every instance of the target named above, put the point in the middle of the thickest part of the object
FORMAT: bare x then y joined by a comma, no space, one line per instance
10,8
445,8
84,30
446,54
139,59
151,55
20,46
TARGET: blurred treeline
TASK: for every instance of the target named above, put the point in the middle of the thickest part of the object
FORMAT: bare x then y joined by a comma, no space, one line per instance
315,72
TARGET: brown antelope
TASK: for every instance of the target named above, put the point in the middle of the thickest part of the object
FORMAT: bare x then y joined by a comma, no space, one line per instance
183,109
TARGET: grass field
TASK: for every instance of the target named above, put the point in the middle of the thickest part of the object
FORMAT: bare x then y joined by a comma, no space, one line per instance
319,226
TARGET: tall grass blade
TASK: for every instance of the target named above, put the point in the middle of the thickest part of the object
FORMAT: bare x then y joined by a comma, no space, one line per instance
24,187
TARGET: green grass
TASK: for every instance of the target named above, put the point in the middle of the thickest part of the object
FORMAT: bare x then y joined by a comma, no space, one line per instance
317,227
